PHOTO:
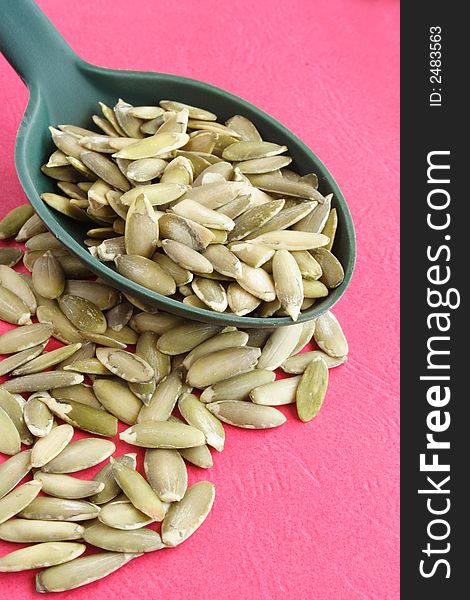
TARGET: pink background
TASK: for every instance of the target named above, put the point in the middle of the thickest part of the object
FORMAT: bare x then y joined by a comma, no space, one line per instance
305,511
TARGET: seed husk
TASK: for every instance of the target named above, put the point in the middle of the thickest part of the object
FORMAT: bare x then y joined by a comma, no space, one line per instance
288,283
184,338
279,346
238,387
123,515
47,359
166,472
18,499
221,365
163,399
13,309
138,490
200,456
10,442
38,417
41,555
118,399
329,336
196,414
13,407
13,470
65,486
185,231
80,393
10,256
312,389
141,232
49,446
62,328
246,415
125,365
146,272
276,393
79,455
105,475
12,222
82,313
298,363
81,571
163,434
45,508
48,276
211,293
81,416
332,270
109,538
30,530
38,382
221,341
185,517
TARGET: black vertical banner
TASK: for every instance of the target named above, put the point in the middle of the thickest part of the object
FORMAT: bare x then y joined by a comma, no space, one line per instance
435,325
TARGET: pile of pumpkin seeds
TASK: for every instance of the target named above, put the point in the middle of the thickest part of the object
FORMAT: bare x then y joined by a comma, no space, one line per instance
123,361
205,212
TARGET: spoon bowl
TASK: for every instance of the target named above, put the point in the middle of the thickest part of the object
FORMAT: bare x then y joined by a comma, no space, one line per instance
65,89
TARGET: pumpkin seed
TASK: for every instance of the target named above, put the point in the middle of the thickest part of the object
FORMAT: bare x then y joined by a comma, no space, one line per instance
285,218
146,272
221,341
315,221
264,165
272,183
156,323
138,491
246,415
291,240
81,571
15,501
197,415
65,486
221,365
163,399
163,434
41,555
312,389
123,515
186,257
10,442
48,359
62,328
211,293
38,417
30,530
279,346
117,399
254,218
141,232
309,267
79,455
166,472
199,456
125,365
11,223
308,329
45,508
276,393
257,282
330,227
13,407
81,393
185,517
254,255
237,387
240,301
41,381
185,231
10,256
61,203
245,128
146,169
82,313
119,316
298,363
184,338
180,275
32,226
81,416
247,150
105,475
13,470
49,446
11,280
63,174
140,540
332,270
103,296
13,309
203,215
288,283
329,336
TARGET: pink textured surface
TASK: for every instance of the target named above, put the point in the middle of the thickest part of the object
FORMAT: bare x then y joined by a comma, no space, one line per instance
305,511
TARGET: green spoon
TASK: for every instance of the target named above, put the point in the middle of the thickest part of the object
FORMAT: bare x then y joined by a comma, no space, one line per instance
65,89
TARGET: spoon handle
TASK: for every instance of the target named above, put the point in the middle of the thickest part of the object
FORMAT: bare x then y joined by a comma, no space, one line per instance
32,45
